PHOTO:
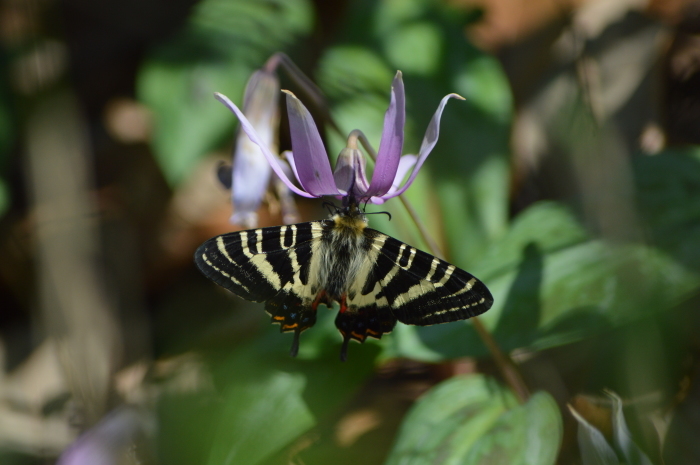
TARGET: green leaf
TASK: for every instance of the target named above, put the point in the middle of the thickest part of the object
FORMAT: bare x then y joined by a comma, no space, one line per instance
259,418
221,45
262,26
473,420
668,196
553,285
270,398
415,48
189,121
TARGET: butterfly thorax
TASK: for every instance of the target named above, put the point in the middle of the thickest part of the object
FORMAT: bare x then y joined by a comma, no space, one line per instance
342,257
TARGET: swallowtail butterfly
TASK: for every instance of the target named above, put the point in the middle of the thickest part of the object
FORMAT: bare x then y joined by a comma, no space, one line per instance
375,278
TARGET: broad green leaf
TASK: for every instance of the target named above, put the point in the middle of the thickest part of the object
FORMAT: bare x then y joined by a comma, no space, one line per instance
415,48
350,71
553,285
221,45
189,121
529,435
260,417
668,196
261,26
472,420
270,399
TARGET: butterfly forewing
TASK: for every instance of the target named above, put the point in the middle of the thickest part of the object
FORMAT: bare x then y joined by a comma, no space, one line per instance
259,264
421,289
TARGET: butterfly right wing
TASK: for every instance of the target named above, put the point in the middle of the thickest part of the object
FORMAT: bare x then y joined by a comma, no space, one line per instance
400,282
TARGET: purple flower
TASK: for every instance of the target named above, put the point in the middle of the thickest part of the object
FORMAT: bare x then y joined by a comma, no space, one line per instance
250,176
309,159
250,173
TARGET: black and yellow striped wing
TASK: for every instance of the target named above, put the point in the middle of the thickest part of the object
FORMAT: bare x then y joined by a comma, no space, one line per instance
403,283
268,265
375,278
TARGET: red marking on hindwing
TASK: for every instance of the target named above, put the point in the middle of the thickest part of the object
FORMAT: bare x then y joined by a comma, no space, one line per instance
320,298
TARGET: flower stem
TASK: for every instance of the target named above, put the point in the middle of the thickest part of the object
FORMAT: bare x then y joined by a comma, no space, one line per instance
509,370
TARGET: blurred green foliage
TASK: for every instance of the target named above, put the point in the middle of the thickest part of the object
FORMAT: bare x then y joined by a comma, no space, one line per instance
222,44
471,419
553,282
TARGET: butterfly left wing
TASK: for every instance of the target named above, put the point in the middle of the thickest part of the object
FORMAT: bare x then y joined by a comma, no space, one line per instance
400,282
268,265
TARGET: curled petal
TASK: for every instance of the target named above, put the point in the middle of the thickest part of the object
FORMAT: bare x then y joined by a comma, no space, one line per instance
250,179
429,141
290,214
253,135
250,171
405,164
310,157
391,144
289,156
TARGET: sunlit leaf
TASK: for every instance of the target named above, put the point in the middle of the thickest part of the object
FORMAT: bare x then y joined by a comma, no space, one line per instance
553,285
473,420
189,121
260,417
221,45
415,48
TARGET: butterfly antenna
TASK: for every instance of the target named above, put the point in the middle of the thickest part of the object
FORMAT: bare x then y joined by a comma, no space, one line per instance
332,208
380,213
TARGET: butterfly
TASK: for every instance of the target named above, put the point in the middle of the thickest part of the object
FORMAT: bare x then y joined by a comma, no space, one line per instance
376,280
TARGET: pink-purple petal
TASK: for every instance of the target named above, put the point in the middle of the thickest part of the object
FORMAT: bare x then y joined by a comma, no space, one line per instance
429,141
310,157
252,134
289,156
405,164
349,173
251,171
391,145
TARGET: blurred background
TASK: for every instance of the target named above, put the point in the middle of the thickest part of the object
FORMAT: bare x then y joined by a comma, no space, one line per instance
568,181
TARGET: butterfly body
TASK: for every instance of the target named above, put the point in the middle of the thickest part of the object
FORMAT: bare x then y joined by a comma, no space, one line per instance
375,279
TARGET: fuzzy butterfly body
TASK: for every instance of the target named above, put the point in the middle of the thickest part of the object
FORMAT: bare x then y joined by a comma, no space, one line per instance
375,278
